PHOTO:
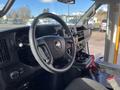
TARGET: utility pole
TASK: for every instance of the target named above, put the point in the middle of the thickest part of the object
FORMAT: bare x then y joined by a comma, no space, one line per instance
68,12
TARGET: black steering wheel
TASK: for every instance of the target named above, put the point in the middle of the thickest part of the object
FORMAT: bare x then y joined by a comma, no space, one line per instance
48,49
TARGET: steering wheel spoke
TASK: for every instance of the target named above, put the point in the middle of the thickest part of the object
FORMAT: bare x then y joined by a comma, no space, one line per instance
44,49
68,56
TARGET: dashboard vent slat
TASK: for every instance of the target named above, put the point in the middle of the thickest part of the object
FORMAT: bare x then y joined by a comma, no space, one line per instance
4,54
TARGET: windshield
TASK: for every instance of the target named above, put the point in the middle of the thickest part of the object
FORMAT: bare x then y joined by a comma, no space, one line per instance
23,12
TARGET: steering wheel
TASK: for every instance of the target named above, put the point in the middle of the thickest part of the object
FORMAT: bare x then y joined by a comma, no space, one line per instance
48,49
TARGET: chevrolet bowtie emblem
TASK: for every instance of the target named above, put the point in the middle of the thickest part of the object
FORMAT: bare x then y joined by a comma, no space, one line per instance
58,44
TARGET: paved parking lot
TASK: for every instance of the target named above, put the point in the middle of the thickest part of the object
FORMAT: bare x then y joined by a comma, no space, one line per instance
97,42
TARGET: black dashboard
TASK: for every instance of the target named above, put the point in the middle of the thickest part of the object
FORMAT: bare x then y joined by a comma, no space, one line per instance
16,59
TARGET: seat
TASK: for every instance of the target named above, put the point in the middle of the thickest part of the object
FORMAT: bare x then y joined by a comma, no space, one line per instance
85,84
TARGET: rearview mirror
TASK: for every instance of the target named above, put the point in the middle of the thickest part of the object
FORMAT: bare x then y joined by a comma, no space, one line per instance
67,1
5,5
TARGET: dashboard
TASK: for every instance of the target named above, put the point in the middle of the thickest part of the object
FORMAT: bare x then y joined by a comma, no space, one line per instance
16,59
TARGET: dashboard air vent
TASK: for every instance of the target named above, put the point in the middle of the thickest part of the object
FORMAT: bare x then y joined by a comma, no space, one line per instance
4,54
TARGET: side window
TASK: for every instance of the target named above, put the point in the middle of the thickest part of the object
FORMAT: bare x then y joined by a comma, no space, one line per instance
98,23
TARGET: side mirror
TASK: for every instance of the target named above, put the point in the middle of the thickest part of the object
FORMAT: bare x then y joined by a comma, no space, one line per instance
5,7
67,1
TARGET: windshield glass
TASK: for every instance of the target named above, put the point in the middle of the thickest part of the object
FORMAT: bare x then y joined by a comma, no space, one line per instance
23,12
